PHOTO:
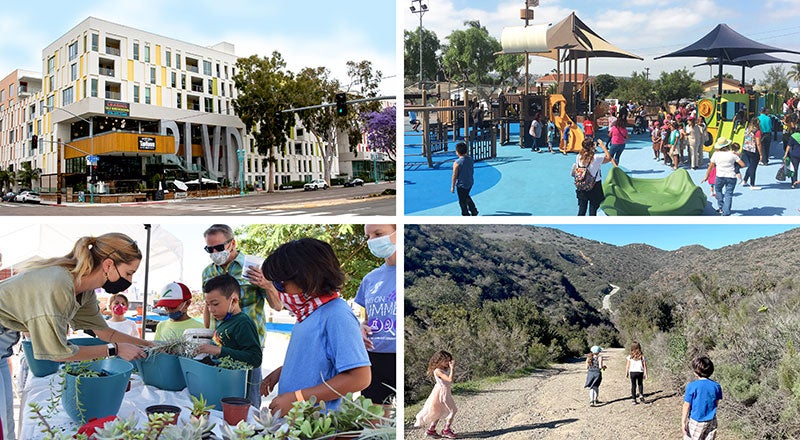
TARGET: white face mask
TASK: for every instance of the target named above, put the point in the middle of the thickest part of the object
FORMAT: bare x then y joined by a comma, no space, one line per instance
219,258
381,247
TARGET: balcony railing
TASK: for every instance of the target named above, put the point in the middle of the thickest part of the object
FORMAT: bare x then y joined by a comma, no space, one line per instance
106,71
112,50
113,95
193,69
197,88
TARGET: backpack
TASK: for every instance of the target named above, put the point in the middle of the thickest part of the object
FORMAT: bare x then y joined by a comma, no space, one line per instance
584,180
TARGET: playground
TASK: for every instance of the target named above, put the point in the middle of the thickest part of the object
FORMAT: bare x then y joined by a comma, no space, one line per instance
520,182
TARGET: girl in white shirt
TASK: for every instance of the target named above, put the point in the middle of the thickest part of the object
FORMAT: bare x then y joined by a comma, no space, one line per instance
119,305
636,370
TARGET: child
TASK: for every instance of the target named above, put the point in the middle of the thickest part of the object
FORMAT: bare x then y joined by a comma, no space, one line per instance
236,335
594,363
665,135
463,172
712,180
119,305
655,136
636,370
675,145
326,357
440,403
699,419
175,298
737,150
552,137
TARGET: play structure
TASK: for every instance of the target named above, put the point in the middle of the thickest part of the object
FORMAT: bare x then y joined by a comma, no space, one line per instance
728,116
675,194
570,134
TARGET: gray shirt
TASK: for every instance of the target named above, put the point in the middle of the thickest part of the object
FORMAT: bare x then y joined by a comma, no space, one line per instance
465,171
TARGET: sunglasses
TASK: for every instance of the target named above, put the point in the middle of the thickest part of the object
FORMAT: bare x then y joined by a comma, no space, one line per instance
217,248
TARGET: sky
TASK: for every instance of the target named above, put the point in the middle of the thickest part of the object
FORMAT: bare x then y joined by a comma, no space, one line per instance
647,28
671,237
310,33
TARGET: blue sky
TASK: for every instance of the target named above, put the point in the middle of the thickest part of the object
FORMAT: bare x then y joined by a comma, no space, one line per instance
307,33
671,237
647,28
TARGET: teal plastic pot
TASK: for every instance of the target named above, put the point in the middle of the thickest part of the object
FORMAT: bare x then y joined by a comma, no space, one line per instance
88,397
161,371
41,367
213,383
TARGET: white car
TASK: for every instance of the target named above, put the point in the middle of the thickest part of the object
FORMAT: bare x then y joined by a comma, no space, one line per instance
315,185
28,197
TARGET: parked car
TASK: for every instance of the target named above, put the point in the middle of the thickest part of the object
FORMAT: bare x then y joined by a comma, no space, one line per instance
9,196
32,197
315,185
354,182
21,196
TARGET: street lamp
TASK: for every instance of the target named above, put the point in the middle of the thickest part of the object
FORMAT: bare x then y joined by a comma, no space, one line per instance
420,9
240,153
91,143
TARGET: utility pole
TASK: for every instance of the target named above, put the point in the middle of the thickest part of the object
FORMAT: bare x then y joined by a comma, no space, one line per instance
421,9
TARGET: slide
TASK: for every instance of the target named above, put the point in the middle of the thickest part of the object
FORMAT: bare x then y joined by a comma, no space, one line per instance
558,114
675,194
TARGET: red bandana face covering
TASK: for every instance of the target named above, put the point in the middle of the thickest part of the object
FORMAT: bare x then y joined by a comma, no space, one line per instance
302,305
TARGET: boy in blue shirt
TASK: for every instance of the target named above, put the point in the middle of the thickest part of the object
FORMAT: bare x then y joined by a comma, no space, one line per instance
699,420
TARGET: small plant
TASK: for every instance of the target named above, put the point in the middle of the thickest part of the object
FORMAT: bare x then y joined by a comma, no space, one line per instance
200,406
155,428
230,363
177,347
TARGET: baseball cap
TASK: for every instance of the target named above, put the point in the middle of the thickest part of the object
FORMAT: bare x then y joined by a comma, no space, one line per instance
173,294
596,349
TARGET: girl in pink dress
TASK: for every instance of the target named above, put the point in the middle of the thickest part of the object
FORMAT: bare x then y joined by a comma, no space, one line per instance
440,403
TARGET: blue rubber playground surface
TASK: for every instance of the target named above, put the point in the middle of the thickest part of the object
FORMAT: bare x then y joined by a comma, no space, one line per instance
519,182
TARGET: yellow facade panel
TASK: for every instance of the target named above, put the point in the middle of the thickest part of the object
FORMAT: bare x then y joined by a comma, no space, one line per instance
214,85
158,96
158,54
164,75
130,70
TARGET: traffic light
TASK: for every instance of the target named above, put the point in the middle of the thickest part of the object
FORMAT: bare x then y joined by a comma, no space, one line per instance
341,104
34,141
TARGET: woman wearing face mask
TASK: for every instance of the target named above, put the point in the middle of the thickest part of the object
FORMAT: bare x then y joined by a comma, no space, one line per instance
119,305
378,295
175,298
51,295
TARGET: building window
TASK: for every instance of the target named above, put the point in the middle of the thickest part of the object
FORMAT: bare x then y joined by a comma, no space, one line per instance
11,136
183,81
209,105
51,64
207,68
94,88
210,86
84,88
218,70
226,72
2,95
135,93
146,54
95,42
74,72
298,148
41,108
85,47
147,95
222,89
180,100
135,51
174,79
169,60
152,75
177,60
73,51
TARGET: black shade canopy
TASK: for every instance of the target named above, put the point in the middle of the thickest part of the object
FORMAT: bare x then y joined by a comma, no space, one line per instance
724,43
747,61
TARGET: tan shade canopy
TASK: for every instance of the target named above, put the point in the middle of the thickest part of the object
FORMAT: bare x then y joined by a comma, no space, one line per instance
582,42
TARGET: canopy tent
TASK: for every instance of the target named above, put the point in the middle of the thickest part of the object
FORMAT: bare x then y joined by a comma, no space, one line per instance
180,185
203,180
161,250
723,43
747,61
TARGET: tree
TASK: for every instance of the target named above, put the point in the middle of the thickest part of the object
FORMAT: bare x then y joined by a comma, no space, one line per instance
265,89
676,85
508,67
27,175
348,242
381,129
636,88
5,177
605,84
776,80
470,54
430,59
794,74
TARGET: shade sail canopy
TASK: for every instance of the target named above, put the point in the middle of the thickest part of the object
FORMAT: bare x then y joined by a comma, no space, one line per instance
573,34
204,180
723,42
747,61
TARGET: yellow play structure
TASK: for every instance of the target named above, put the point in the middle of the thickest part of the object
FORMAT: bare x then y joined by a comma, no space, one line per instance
559,117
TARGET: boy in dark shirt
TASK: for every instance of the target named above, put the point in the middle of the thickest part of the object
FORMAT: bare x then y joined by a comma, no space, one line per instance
463,180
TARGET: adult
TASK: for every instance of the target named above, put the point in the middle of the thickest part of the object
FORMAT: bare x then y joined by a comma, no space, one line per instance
255,289
723,160
51,295
793,153
477,116
695,138
619,136
378,295
765,123
588,158
752,149
536,132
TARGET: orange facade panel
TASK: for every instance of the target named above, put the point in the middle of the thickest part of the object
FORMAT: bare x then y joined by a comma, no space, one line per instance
120,142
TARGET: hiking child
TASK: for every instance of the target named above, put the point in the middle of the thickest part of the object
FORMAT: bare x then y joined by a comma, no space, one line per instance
440,403
636,370
594,375
699,418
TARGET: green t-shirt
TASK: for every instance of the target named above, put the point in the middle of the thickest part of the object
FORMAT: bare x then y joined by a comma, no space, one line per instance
169,329
251,297
239,339
43,302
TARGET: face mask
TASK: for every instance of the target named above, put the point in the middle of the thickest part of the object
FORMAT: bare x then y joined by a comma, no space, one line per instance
176,315
229,314
381,247
119,309
116,286
219,258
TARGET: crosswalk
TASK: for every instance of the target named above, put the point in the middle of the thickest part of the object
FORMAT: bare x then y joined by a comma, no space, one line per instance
250,211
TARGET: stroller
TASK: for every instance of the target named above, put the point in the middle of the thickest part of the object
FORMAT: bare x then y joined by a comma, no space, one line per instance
639,125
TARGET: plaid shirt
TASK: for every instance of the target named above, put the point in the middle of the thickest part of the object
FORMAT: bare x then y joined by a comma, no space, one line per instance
251,298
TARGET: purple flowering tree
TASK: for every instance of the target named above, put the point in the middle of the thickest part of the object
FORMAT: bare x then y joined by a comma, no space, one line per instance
381,130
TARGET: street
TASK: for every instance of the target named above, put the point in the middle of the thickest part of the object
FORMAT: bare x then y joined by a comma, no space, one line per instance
335,201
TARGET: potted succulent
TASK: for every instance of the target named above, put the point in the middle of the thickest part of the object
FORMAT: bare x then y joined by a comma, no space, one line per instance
200,407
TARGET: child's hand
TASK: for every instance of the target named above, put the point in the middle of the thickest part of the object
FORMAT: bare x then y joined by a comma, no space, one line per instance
213,350
452,364
270,381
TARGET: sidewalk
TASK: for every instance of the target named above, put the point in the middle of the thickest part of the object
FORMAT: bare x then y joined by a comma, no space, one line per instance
519,182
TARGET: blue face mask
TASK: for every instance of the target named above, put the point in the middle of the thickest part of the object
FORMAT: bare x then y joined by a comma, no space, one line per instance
176,315
229,314
381,247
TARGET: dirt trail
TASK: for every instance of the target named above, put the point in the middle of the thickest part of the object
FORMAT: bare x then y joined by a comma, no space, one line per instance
554,405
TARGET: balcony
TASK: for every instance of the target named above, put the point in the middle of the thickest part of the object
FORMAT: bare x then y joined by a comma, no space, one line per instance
106,71
197,88
112,51
114,95
194,69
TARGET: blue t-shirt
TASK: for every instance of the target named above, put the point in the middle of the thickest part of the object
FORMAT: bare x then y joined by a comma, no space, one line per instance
326,343
465,172
703,395
765,122
378,295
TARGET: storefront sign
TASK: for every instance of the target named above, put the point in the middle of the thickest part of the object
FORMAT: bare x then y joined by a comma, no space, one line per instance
116,108
147,143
